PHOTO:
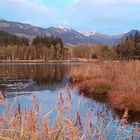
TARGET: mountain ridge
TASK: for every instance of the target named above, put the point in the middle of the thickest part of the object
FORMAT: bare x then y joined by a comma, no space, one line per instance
69,36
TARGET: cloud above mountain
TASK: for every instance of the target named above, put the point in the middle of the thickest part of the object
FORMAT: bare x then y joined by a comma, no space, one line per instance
107,16
107,2
30,11
111,15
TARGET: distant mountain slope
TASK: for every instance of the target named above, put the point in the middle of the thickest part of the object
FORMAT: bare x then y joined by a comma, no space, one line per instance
20,28
132,32
69,36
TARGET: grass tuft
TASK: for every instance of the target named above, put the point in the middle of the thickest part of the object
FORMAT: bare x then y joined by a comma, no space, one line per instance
95,87
125,100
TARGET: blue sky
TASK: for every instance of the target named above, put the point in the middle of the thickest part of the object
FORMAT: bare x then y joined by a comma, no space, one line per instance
107,16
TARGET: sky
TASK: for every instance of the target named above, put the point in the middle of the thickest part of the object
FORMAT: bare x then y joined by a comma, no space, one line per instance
106,16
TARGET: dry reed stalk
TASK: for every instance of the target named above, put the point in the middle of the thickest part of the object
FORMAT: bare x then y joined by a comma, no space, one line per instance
23,123
124,76
35,105
2,101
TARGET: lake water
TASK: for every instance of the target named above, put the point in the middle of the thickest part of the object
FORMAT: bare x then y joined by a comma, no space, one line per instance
46,81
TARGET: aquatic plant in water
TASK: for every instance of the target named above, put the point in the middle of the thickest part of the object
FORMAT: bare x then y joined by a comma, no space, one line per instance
25,124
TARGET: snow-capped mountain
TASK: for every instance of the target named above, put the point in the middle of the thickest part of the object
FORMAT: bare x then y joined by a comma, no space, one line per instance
69,36
87,34
63,28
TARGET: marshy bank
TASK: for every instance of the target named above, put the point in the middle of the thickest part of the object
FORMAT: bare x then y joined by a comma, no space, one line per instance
61,122
116,81
34,90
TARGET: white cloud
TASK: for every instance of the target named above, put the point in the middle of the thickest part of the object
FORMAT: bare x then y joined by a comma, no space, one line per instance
34,11
134,1
105,2
32,5
106,14
78,14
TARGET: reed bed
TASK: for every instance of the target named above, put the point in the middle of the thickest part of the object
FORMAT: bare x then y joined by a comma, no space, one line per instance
18,123
123,78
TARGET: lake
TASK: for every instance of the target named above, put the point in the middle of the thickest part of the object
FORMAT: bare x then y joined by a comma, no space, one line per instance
46,82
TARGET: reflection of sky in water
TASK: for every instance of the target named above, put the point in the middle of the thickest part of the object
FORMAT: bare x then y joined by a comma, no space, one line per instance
48,101
47,88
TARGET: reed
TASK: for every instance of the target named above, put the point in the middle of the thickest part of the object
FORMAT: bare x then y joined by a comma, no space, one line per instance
125,100
28,124
121,77
97,87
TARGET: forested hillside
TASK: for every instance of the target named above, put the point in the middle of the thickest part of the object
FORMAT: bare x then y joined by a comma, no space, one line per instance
68,35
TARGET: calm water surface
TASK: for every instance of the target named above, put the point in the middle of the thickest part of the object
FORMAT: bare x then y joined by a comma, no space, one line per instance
46,81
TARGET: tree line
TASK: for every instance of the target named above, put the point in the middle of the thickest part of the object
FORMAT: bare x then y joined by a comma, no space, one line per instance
7,39
47,48
129,48
41,47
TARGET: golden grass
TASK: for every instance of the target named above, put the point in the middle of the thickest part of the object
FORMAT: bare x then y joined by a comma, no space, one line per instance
29,124
124,77
125,100
97,87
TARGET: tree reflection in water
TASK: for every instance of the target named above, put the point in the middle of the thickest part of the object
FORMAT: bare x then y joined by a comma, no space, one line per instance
19,77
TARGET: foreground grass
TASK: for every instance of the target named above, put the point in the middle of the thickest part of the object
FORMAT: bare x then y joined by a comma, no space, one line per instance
119,81
28,124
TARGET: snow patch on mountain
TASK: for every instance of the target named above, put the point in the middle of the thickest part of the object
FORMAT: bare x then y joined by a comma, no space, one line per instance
63,28
87,34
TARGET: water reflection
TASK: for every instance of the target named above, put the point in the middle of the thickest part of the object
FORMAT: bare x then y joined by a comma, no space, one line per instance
133,116
115,114
35,77
44,80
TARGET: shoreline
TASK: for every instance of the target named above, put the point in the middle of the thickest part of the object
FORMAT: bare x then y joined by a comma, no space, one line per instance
47,61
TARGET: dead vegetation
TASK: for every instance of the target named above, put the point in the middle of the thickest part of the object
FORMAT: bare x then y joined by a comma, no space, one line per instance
28,123
97,87
120,77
